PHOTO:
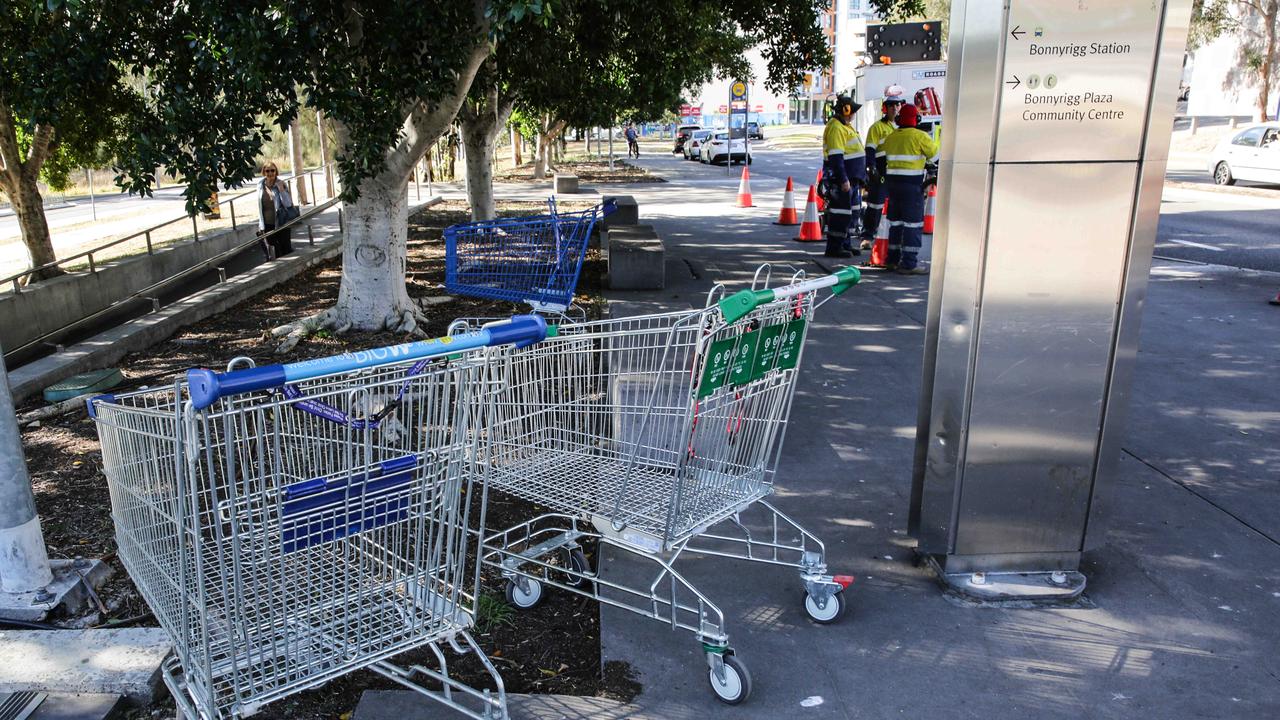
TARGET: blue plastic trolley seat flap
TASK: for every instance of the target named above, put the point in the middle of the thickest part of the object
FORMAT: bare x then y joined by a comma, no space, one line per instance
535,259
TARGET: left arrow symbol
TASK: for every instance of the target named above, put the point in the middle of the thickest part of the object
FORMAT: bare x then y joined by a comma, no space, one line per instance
1015,82
1017,32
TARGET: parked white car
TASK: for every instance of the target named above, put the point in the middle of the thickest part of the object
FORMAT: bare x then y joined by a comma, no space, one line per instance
693,146
718,148
1250,154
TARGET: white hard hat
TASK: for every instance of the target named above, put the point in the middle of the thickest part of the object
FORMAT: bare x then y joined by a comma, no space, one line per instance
895,93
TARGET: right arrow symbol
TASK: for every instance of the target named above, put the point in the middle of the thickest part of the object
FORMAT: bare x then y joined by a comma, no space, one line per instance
1015,82
1017,32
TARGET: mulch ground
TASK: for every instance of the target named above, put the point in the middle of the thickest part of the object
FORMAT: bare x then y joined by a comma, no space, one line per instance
588,171
554,648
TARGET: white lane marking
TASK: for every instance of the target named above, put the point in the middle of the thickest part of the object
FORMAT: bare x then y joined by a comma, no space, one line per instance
1188,243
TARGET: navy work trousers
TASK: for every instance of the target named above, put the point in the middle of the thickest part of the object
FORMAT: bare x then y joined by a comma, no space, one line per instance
906,219
841,207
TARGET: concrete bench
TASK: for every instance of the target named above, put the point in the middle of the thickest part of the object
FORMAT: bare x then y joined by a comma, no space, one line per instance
635,258
628,213
566,184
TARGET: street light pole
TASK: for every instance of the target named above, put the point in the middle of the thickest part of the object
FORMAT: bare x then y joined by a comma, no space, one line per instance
24,560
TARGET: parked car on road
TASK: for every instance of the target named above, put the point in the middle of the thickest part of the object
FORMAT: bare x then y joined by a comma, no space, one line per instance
754,132
1251,154
717,148
693,146
682,134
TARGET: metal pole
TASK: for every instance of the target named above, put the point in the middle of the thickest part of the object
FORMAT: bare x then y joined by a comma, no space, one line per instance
93,205
295,159
610,145
24,560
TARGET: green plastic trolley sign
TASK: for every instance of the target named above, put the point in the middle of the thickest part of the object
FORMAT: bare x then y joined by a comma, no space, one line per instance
749,356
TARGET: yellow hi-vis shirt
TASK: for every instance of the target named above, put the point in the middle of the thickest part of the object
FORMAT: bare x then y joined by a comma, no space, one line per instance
876,134
841,139
906,151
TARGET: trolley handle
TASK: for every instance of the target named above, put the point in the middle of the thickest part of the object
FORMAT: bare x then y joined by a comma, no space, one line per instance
739,304
207,386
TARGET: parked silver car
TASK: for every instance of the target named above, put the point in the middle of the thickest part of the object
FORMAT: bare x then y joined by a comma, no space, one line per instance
1250,154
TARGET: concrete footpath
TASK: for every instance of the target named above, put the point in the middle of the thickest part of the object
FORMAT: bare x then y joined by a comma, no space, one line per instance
1182,600
1180,615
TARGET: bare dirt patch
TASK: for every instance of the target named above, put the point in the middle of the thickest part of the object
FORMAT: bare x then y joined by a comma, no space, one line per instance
588,171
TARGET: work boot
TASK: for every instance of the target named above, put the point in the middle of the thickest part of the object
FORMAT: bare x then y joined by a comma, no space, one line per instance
841,253
866,244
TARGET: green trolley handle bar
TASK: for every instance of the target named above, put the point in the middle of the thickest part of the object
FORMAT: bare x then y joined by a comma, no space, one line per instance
738,305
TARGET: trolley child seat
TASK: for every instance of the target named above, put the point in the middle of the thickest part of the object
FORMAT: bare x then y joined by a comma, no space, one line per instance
292,523
652,435
534,260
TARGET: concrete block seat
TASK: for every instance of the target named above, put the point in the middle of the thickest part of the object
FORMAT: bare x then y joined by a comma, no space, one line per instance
565,183
636,256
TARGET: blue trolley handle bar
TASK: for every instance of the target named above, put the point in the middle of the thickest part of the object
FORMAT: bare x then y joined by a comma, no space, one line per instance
207,386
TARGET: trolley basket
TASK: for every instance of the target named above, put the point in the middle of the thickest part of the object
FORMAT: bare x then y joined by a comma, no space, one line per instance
534,260
293,523
645,433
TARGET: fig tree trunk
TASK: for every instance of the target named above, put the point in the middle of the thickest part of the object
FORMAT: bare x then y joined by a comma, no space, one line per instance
28,206
372,295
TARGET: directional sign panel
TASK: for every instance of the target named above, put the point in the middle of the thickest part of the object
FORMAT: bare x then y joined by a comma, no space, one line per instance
1076,80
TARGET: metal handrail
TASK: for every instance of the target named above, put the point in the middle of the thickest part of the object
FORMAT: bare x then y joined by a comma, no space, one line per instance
199,267
229,202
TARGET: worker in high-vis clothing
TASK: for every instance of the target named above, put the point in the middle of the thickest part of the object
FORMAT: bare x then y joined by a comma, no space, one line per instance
901,159
844,171
876,188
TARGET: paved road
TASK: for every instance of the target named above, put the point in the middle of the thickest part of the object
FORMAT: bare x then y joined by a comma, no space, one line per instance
1208,226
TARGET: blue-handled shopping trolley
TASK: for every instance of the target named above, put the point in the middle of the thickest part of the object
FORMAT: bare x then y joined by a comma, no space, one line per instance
535,259
289,524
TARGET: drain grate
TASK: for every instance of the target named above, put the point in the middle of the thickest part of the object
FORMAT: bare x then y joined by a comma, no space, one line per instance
19,705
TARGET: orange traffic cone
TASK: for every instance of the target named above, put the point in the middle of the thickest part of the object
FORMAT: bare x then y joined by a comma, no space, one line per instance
744,189
787,216
930,206
810,229
1275,300
822,204
880,248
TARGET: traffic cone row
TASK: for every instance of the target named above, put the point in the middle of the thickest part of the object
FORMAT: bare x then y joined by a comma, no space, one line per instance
810,229
787,215
930,206
744,189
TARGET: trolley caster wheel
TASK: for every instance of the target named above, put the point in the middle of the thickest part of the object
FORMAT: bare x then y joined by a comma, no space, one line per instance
578,564
825,615
524,598
736,685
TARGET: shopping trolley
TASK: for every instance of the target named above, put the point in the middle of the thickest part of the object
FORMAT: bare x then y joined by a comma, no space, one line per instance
641,434
534,260
293,523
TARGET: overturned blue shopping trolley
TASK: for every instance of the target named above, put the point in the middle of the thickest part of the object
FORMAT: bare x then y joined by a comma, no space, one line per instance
535,259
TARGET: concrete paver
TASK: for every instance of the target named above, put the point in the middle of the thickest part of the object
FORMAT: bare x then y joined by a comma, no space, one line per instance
122,661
